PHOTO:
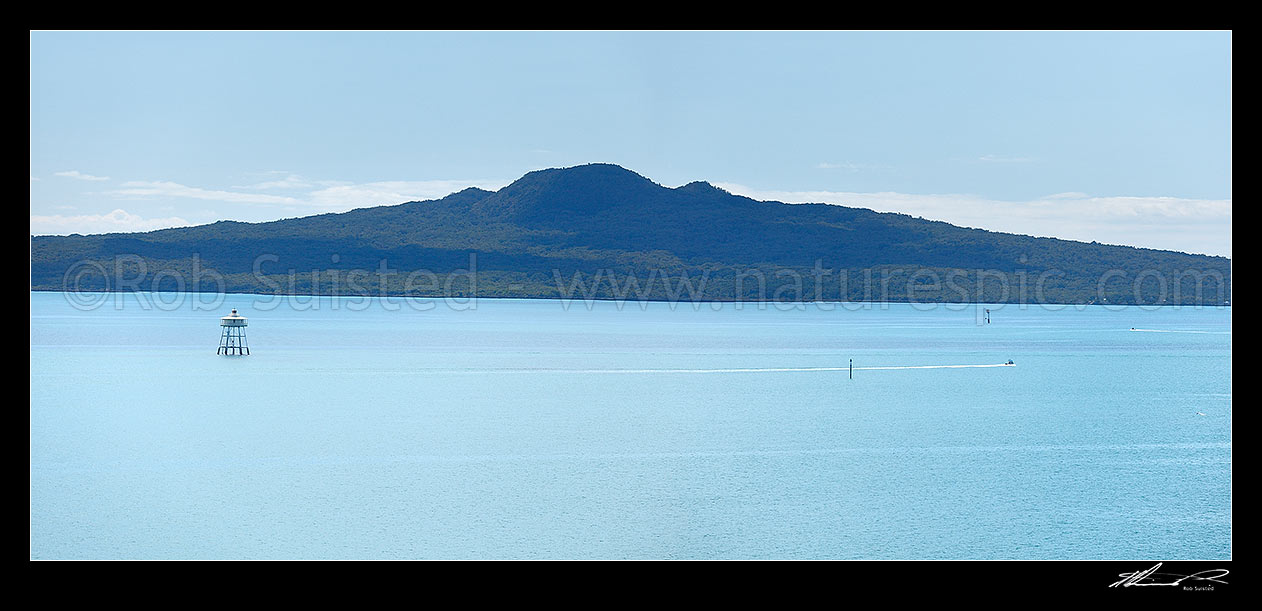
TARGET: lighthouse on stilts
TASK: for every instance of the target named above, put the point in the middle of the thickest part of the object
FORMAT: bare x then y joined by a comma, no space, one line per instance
232,341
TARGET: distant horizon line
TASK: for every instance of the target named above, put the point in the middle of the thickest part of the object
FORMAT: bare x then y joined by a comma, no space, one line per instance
676,302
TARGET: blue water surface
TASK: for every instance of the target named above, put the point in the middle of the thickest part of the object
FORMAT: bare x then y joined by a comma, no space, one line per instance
391,429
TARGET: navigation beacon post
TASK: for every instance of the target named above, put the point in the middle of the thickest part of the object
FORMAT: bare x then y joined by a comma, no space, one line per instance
232,341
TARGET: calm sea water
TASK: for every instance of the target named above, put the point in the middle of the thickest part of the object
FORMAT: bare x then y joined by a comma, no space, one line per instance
522,429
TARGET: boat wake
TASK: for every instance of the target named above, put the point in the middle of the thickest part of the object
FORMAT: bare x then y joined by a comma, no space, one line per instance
702,371
1179,331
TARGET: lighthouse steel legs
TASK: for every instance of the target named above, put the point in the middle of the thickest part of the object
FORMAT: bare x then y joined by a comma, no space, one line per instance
233,341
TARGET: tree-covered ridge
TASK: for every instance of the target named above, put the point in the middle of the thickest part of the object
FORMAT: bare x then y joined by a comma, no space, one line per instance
533,238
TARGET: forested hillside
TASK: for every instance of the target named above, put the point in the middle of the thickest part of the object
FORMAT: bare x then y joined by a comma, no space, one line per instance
602,231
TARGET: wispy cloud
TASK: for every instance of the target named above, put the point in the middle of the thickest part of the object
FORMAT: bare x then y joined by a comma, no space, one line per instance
76,174
850,166
291,181
116,221
1003,159
140,188
330,196
1170,223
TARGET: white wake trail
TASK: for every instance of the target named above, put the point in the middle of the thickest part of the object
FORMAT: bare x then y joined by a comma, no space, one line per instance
724,370
940,366
1179,331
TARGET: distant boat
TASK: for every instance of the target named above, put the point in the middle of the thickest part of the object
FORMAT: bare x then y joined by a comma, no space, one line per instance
1010,362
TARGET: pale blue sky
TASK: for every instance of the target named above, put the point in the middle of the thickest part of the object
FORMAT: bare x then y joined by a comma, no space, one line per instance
1120,137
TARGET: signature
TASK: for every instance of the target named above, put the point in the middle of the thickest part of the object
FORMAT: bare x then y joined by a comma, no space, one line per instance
1150,577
